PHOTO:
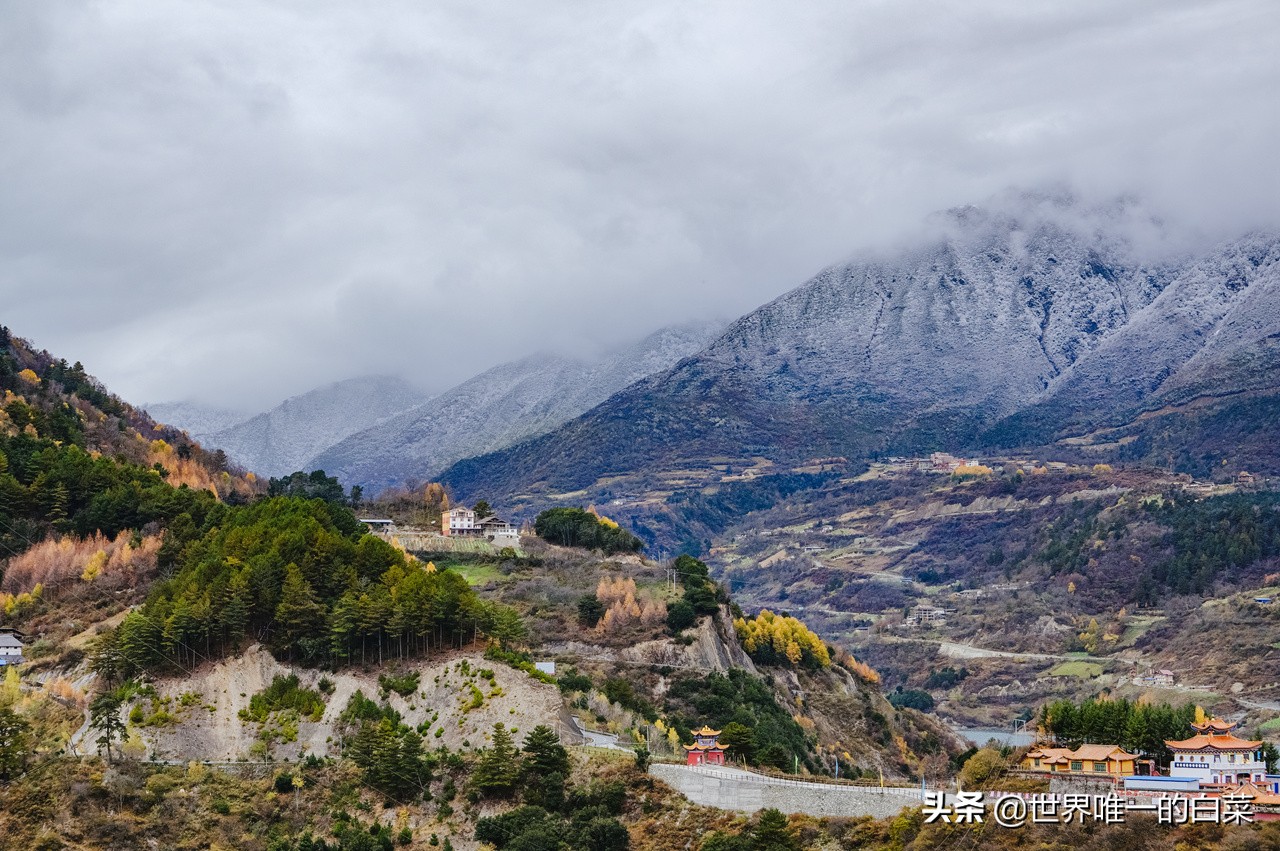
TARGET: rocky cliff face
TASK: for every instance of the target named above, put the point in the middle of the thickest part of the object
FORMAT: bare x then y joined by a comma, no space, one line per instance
714,647
1038,321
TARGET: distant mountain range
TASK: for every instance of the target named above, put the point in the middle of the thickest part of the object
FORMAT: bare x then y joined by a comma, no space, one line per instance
195,418
499,407
1005,329
380,431
284,439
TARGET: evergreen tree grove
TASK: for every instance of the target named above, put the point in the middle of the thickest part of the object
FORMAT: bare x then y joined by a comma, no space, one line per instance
496,771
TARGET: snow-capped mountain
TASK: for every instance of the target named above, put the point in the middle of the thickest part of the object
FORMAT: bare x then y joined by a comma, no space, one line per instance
196,418
505,404
281,441
1048,309
1213,331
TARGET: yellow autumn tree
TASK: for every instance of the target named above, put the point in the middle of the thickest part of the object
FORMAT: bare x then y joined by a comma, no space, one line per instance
11,689
673,739
29,376
93,568
781,640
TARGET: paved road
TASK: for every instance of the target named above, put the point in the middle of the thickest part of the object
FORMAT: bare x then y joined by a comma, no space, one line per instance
597,739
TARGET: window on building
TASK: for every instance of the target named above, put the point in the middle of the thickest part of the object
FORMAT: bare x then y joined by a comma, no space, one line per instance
1077,766
1037,762
1099,766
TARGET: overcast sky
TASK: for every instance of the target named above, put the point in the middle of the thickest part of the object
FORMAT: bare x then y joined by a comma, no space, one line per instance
236,202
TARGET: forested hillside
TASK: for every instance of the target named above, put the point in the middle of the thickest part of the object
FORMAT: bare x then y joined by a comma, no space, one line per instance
153,586
302,577
77,461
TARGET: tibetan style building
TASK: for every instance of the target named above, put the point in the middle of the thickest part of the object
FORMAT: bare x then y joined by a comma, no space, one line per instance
1215,755
706,748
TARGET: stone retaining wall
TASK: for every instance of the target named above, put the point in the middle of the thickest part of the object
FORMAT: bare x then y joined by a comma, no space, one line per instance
742,791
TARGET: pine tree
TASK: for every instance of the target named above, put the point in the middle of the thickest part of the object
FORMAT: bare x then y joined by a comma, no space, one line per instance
495,772
104,716
13,744
299,615
544,754
771,833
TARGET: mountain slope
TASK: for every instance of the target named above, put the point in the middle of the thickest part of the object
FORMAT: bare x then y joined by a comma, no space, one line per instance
503,405
926,349
281,441
1212,331
196,418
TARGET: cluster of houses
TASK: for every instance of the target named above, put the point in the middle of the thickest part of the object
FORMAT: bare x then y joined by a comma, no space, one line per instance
937,462
1161,677
1213,760
457,522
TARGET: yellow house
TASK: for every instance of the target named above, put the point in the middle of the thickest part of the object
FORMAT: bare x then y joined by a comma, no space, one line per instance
1086,759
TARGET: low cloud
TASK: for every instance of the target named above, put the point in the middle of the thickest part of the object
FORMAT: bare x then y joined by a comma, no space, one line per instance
236,202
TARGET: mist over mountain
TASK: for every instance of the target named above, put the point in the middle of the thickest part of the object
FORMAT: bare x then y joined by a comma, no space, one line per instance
503,405
196,418
1063,315
280,441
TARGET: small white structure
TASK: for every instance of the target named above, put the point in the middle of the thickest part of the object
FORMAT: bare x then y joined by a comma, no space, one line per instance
545,667
1214,755
379,525
10,646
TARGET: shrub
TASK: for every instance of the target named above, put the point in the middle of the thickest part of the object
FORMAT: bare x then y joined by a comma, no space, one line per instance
571,680
285,693
519,661
680,616
402,684
982,768
912,699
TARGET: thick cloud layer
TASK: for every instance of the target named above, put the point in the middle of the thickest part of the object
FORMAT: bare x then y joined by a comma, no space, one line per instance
237,201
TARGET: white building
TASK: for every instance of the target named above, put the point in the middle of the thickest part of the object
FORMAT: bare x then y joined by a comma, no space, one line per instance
459,521
1214,755
463,522
10,646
